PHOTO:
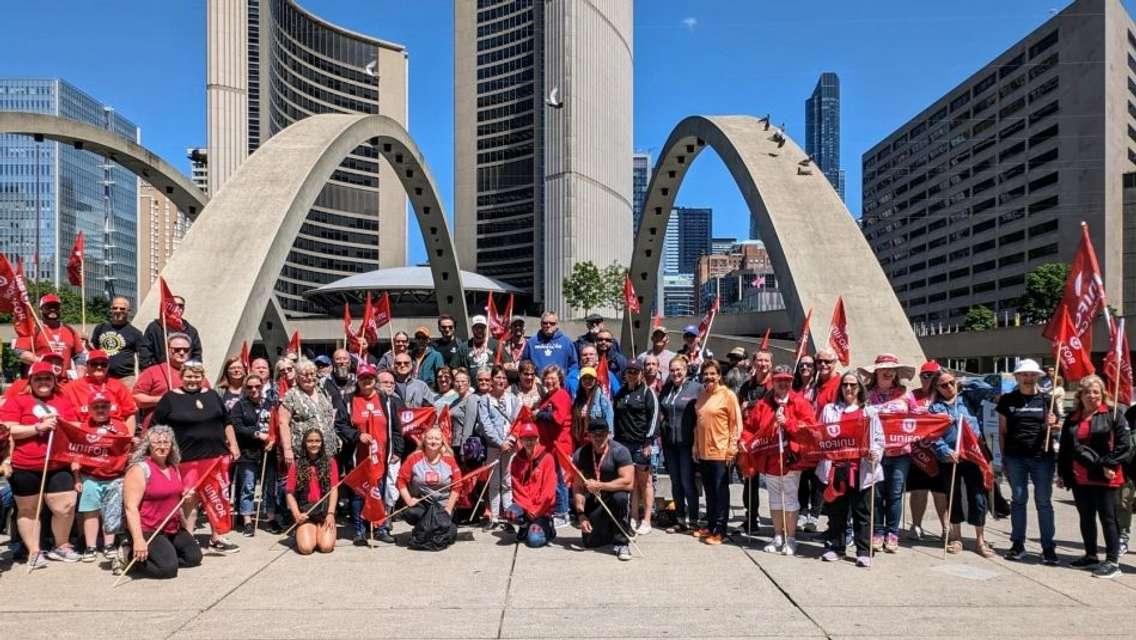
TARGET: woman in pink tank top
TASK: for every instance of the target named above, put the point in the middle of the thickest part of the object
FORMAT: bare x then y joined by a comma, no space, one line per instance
151,492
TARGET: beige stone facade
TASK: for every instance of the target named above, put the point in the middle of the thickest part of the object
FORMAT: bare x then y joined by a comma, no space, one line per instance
161,228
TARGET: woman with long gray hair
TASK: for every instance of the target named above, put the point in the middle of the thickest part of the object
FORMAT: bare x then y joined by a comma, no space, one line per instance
151,491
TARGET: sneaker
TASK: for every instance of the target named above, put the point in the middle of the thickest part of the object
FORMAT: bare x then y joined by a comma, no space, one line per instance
1123,545
713,539
849,538
789,548
915,533
63,554
248,531
39,561
222,545
88,555
643,529
1049,558
274,528
635,523
1106,570
802,520
1017,553
774,545
119,561
891,543
830,556
359,540
877,541
110,553
811,524
863,561
560,520
623,552
384,535
1085,562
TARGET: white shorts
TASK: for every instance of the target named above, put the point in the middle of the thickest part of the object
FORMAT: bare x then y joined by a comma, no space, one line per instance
787,485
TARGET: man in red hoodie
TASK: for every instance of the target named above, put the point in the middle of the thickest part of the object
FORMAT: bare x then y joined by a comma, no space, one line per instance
534,489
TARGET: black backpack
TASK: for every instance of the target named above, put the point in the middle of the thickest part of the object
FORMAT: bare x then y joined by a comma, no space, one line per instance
435,531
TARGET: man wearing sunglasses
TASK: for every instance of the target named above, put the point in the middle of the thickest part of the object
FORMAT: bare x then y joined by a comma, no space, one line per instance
827,379
152,383
120,340
151,352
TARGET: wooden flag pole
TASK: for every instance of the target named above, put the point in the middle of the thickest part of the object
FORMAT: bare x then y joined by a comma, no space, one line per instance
480,497
154,534
166,343
1053,397
611,515
954,474
781,483
83,294
42,486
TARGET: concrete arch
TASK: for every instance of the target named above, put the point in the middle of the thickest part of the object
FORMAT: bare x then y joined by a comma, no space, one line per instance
816,248
144,163
229,261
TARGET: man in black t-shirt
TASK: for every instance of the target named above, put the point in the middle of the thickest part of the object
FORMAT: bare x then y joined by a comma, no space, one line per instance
1025,423
609,475
119,339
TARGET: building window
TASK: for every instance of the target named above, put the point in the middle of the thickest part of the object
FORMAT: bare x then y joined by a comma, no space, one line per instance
1006,261
960,273
983,246
1043,88
985,83
1041,252
1043,66
1042,136
983,287
1043,182
1043,159
1043,112
1042,205
942,277
1017,125
1041,45
1011,65
1011,238
985,266
1011,281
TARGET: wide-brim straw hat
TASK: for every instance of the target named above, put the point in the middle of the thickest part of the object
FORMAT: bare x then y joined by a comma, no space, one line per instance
888,361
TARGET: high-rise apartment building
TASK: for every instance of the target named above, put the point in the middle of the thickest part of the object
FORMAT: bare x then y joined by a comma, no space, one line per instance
678,295
994,178
542,124
822,129
49,191
272,63
640,179
199,167
161,228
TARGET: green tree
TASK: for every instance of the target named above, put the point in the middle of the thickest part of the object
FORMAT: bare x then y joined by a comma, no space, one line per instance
97,307
613,275
1044,286
585,288
979,318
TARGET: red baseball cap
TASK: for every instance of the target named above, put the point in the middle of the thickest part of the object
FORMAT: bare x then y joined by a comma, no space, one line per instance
99,396
94,355
931,366
528,430
49,298
41,367
366,369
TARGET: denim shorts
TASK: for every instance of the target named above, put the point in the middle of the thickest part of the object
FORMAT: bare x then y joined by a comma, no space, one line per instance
105,497
640,460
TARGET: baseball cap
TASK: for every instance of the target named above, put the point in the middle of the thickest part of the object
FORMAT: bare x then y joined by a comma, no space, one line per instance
323,361
931,366
516,319
94,355
424,330
98,397
690,330
41,367
593,317
588,371
51,355
634,364
597,424
782,372
366,370
49,298
476,320
528,430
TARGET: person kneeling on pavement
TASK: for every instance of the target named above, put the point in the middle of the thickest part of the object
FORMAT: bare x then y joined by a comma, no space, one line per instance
534,489
609,475
427,482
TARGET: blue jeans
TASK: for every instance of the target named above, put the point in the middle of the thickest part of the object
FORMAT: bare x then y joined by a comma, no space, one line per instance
561,493
246,487
1023,471
356,501
889,494
680,468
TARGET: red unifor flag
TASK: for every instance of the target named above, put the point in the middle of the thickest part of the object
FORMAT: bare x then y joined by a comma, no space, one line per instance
499,324
349,335
467,480
415,422
924,458
376,315
91,447
838,333
213,489
366,480
75,262
630,300
246,356
446,424
523,416
803,341
1070,351
1084,294
971,450
764,341
171,312
603,377
758,448
843,440
1118,363
904,429
14,298
294,345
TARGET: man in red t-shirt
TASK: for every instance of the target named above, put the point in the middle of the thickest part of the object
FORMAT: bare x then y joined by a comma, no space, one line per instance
152,383
80,391
52,337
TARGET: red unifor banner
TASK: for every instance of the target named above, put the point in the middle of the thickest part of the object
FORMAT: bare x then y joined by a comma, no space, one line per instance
171,312
923,458
1070,350
843,440
1118,363
415,422
758,448
212,487
91,446
75,262
901,430
838,333
366,480
971,451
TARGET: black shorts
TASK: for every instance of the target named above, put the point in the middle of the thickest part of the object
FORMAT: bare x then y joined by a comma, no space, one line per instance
918,480
26,483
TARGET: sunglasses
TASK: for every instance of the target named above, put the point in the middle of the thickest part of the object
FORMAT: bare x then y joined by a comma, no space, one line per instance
926,376
179,349
825,361
402,363
101,364
250,387
849,385
286,370
806,364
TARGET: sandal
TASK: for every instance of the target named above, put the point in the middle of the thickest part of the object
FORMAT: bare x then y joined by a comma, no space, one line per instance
954,546
984,550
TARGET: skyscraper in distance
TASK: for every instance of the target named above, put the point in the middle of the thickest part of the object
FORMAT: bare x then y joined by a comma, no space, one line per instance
640,179
542,139
49,191
822,129
272,63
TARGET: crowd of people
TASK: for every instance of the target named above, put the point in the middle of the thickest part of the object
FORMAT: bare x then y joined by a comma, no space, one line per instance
528,436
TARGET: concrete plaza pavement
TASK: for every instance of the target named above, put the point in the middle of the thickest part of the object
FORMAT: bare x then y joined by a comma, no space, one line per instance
487,587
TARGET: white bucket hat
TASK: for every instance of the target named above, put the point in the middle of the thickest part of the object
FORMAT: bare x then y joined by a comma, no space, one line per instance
1028,365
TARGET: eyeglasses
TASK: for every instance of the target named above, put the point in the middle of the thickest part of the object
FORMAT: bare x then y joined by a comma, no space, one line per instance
806,364
250,387
402,363
603,339
825,361
179,349
119,309
545,323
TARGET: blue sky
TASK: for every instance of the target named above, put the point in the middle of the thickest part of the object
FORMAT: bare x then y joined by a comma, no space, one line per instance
147,59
